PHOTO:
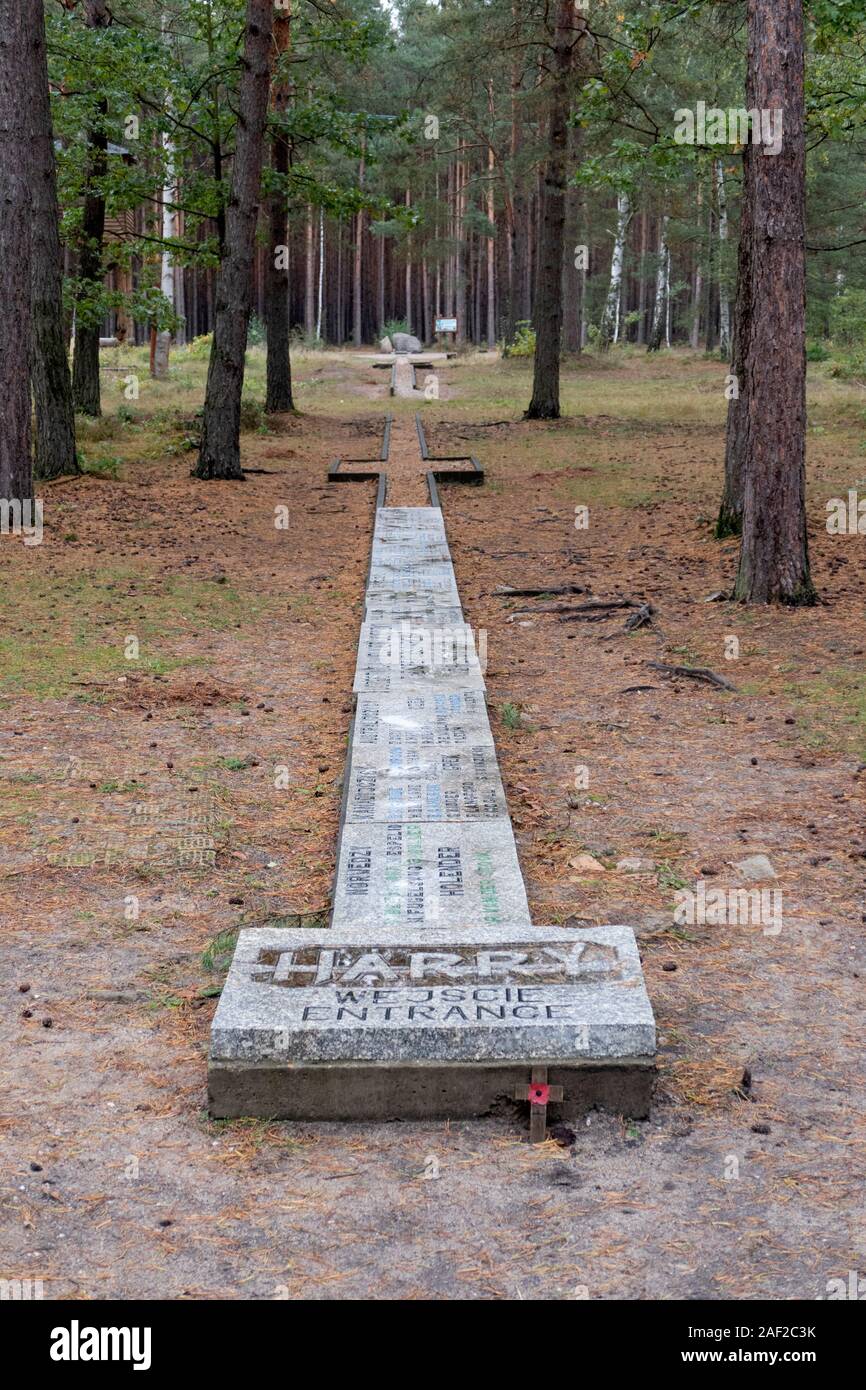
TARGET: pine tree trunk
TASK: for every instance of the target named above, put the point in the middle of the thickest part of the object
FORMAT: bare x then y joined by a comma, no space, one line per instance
277,285
220,455
547,314
711,281
697,283
774,560
52,383
460,258
16,475
310,275
724,305
380,287
730,518
491,253
85,368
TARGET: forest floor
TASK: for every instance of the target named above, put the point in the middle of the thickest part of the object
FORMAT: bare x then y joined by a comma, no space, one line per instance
140,828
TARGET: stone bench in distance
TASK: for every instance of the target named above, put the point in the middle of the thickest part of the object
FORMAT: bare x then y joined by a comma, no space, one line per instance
362,1023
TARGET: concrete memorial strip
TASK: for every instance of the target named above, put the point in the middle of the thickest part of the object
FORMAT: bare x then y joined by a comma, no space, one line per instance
429,874
412,785
412,720
431,994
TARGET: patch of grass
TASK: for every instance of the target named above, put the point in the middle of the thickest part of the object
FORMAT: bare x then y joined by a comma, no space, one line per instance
667,877
217,955
512,717
157,609
100,466
832,710
234,764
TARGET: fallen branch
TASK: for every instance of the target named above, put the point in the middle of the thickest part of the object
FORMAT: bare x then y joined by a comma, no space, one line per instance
596,610
695,673
505,592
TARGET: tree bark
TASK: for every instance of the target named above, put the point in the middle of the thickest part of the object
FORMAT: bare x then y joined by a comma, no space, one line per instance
730,518
610,318
16,468
570,28
642,295
358,264
85,367
55,453
774,559
279,369
724,304
309,276
220,455
491,251
658,330
697,284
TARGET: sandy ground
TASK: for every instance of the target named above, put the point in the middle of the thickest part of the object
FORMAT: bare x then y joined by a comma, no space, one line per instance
141,825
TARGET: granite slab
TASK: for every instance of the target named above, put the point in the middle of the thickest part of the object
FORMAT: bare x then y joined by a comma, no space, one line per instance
429,875
371,1022
438,719
410,784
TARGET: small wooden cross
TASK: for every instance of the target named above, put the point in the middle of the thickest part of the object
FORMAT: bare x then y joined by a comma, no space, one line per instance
538,1093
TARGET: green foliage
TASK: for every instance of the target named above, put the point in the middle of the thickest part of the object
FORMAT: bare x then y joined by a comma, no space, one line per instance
523,343
511,715
848,318
217,955
817,352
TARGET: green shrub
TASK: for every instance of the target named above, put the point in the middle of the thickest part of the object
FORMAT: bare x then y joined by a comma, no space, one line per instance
817,352
392,326
523,343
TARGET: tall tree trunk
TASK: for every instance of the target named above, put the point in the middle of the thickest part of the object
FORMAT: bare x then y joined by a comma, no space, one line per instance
460,254
658,331
169,230
167,270
724,304
85,369
408,314
644,245
358,265
610,317
220,455
277,287
321,279
730,518
16,467
697,284
52,384
572,277
491,253
380,287
711,279
309,275
774,559
570,28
